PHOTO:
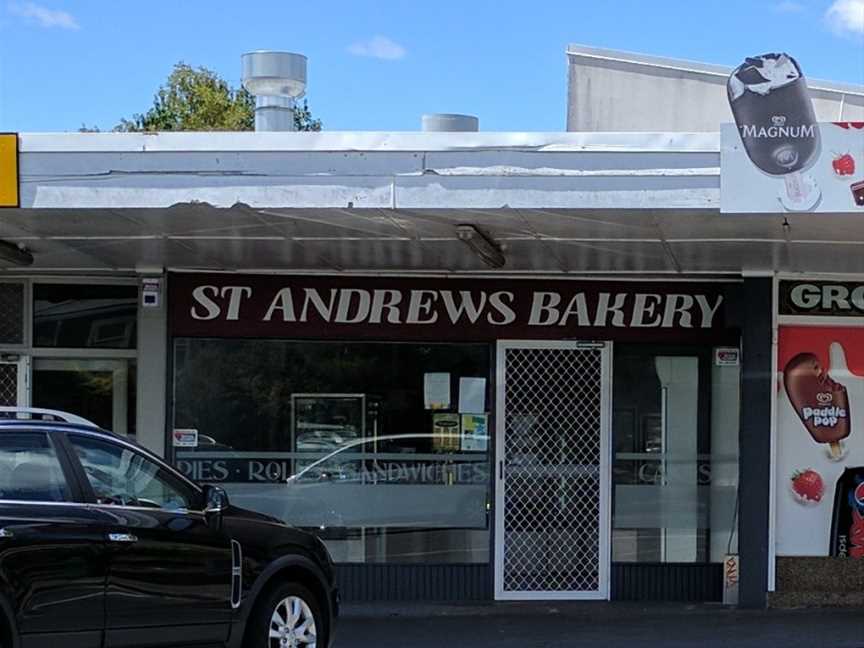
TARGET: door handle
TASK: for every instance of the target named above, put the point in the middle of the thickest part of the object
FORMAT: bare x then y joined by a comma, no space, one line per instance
122,537
6,533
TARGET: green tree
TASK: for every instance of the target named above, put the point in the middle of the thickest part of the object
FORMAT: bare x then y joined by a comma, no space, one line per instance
198,99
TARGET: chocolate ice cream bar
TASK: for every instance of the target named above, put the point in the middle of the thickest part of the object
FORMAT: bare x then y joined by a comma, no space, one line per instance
821,403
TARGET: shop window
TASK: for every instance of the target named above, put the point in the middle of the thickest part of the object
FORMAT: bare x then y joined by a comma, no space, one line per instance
101,390
364,443
11,312
84,316
675,469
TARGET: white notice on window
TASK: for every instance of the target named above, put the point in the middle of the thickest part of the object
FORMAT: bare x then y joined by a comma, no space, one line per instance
436,391
472,395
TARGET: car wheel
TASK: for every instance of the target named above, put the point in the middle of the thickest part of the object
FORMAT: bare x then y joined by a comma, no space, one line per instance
289,617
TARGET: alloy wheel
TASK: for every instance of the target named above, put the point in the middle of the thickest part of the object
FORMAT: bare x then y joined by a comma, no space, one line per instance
292,625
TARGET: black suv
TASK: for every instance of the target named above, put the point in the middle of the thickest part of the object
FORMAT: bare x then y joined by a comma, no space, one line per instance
103,544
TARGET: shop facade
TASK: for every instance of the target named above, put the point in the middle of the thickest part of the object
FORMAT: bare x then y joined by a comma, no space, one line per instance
472,438
819,460
311,332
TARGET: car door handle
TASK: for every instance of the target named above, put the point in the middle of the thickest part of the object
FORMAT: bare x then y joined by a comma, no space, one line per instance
6,533
122,537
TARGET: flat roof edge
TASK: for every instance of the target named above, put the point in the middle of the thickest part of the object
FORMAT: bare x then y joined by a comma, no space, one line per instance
695,67
369,141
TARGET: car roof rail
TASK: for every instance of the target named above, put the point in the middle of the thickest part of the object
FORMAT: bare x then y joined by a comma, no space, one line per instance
37,413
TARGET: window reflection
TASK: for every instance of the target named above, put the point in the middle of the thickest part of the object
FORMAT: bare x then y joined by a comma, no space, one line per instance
84,316
675,470
335,437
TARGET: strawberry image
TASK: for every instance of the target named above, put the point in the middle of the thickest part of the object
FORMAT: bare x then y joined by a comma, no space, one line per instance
807,486
844,165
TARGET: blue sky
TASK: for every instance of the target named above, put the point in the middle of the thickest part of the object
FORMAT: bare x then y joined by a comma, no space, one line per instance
380,65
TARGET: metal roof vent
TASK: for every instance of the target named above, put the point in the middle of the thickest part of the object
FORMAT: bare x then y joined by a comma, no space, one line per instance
449,123
276,79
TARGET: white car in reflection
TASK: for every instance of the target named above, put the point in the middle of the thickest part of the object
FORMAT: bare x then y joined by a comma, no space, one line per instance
373,482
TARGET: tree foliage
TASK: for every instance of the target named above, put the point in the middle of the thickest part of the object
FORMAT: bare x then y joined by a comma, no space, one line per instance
198,99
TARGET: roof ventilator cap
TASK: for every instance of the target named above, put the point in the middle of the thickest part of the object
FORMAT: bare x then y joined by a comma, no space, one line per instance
277,79
450,123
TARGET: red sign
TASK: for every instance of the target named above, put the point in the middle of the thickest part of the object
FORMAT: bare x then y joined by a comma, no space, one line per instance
229,305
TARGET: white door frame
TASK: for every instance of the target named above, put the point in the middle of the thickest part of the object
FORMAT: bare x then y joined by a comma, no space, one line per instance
605,522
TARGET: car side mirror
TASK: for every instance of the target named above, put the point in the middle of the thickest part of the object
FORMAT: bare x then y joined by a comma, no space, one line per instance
215,499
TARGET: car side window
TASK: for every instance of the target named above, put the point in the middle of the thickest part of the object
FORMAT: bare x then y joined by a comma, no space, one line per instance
30,470
121,476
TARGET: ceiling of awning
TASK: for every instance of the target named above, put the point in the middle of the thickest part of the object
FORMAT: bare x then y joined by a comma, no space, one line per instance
199,236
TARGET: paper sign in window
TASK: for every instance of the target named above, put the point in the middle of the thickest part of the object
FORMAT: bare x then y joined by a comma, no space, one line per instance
472,395
436,391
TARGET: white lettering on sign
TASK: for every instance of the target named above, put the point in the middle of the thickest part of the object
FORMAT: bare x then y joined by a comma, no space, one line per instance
824,416
674,308
751,130
506,313
645,311
211,309
827,298
351,310
205,296
708,311
284,303
577,309
235,295
604,310
311,296
385,300
421,304
543,309
806,296
466,305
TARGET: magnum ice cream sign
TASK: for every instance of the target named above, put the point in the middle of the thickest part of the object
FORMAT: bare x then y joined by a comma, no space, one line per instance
774,115
776,157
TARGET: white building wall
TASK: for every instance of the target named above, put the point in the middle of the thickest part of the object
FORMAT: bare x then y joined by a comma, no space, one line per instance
620,91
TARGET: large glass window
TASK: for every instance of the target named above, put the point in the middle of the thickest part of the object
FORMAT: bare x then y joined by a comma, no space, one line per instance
29,469
675,470
363,442
84,316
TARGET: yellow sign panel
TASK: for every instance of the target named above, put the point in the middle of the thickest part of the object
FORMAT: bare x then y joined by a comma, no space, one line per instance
9,170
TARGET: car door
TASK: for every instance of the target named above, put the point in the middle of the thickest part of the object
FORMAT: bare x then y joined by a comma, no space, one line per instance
52,553
169,566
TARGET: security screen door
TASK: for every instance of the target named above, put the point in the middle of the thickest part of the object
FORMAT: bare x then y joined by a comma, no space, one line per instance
14,383
553,470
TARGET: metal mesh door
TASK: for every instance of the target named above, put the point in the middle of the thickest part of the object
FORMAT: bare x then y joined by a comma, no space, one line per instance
553,472
10,376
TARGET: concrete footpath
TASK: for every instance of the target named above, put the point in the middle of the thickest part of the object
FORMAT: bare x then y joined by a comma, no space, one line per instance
551,625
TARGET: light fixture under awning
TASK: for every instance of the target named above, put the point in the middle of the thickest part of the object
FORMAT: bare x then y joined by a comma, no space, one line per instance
482,245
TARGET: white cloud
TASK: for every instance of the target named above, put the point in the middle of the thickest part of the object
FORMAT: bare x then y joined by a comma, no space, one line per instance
788,6
43,16
379,47
846,16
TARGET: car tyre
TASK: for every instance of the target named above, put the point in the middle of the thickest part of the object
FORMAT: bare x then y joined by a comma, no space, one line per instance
289,616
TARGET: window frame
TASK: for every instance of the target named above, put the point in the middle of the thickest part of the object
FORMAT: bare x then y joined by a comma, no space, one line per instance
112,282
74,488
174,479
